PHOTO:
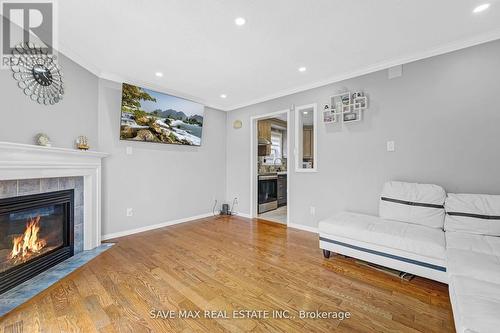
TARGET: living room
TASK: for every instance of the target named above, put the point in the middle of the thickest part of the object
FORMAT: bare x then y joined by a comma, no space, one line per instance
130,166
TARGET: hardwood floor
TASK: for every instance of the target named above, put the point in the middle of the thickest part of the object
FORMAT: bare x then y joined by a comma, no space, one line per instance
229,264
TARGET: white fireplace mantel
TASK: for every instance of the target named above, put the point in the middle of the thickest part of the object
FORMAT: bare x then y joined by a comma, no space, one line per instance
22,161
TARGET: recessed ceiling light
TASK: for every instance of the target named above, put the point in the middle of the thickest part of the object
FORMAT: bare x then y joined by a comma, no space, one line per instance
302,69
481,8
159,74
223,96
305,112
239,21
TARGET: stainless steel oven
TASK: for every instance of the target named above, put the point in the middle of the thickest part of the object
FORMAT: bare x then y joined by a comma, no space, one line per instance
268,193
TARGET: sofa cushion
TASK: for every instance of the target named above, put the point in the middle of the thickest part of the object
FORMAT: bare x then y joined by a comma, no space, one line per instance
421,204
412,238
474,256
473,213
470,242
476,304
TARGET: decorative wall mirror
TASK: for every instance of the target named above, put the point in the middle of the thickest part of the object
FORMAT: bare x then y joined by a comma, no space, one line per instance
306,138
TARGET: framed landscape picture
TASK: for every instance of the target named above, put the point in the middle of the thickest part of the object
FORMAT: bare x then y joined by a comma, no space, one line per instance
151,116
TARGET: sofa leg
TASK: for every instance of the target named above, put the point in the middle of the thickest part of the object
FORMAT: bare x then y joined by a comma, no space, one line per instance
326,253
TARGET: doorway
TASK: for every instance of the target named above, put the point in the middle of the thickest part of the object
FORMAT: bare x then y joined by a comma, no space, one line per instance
269,169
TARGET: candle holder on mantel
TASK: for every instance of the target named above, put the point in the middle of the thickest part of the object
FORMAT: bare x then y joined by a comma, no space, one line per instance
82,143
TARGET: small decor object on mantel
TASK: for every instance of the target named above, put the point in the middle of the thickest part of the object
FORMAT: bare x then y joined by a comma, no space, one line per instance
82,143
42,139
37,73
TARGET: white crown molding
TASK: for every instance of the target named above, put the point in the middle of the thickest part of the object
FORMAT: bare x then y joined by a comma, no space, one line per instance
79,60
443,49
120,79
154,226
156,87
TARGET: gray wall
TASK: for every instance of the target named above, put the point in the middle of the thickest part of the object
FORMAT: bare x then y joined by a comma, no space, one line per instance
160,182
21,118
443,114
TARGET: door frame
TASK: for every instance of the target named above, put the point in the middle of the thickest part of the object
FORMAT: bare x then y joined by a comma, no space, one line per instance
253,161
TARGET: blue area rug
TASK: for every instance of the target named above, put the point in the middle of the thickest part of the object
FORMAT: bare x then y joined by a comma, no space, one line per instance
23,292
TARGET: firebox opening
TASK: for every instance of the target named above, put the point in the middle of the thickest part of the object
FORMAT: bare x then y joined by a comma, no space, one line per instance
29,234
36,233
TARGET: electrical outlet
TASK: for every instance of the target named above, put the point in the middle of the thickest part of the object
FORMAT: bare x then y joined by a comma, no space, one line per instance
130,212
391,146
313,210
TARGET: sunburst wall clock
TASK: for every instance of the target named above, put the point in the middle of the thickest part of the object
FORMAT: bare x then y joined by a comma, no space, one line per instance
37,74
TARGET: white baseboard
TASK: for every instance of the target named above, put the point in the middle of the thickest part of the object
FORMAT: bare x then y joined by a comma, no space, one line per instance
303,227
289,225
192,218
248,216
154,226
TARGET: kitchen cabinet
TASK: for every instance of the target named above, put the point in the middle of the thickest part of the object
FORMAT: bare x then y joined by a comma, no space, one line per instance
282,190
264,127
264,136
264,150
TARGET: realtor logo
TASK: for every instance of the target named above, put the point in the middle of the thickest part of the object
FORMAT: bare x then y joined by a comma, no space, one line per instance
27,22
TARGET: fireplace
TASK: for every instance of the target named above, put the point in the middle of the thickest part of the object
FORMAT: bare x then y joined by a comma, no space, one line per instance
36,233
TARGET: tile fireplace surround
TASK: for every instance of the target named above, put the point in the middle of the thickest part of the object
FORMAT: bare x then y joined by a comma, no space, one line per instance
14,188
27,169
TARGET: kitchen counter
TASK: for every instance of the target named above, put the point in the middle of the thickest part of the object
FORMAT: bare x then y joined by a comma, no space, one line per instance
273,173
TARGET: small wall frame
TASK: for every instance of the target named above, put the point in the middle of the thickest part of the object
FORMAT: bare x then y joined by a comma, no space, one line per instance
345,107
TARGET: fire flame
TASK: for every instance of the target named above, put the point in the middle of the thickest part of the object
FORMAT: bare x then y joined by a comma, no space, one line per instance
28,243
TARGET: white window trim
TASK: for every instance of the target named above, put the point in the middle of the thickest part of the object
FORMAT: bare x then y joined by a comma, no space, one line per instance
298,167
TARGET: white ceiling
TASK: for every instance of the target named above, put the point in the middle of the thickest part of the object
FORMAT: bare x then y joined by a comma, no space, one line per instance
203,54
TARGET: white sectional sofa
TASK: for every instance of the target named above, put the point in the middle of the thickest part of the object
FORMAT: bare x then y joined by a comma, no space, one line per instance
407,236
403,246
450,238
472,228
